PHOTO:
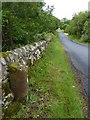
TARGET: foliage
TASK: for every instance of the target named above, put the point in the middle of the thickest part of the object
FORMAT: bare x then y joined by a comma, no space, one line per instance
78,26
84,37
25,23
63,23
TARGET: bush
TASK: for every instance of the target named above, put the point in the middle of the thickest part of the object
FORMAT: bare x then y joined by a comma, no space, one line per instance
84,38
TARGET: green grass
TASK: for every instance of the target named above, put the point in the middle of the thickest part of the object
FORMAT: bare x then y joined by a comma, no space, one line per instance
53,91
78,40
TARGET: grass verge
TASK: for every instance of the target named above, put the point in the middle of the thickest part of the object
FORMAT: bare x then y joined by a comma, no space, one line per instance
53,90
78,40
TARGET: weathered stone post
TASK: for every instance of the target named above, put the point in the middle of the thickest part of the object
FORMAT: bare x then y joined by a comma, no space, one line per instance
18,75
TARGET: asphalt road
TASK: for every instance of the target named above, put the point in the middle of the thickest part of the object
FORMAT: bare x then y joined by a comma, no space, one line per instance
79,57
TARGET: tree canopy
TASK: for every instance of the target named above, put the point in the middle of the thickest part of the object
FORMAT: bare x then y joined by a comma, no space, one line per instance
23,23
78,26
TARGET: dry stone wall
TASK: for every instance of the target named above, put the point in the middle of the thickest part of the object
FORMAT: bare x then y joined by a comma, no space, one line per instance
14,70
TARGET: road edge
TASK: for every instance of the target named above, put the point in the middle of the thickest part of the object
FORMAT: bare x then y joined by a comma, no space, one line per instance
78,77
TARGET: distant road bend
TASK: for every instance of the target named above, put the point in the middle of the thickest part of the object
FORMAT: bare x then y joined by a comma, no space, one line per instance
79,57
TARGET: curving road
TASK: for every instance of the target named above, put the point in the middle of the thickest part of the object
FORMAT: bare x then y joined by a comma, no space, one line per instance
79,56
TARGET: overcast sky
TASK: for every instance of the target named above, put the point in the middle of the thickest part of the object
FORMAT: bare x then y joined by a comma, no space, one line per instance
67,8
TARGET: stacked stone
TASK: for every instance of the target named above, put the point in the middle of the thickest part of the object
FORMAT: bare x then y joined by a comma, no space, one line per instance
7,95
25,57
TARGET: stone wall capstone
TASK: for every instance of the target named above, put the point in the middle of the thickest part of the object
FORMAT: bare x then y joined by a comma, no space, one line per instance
14,70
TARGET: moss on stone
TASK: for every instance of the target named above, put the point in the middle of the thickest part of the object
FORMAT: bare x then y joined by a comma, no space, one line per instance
6,88
5,54
12,109
0,54
39,47
10,98
13,67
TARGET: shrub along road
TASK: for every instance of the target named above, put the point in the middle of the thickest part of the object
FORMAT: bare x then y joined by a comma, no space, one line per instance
53,90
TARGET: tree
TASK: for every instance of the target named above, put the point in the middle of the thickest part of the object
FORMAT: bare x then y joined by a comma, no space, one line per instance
22,23
78,26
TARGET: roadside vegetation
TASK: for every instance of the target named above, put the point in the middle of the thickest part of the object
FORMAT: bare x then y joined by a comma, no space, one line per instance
78,40
77,27
53,91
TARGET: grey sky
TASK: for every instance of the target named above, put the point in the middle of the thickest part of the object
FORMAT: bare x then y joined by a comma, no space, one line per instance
67,8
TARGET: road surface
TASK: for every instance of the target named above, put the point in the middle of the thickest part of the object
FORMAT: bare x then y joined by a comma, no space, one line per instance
79,57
